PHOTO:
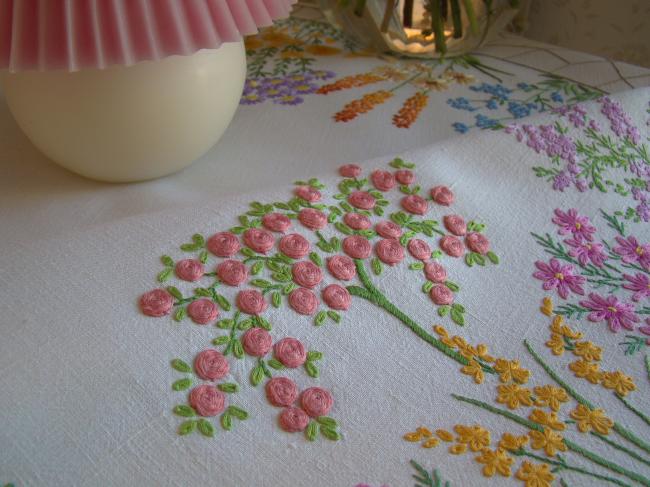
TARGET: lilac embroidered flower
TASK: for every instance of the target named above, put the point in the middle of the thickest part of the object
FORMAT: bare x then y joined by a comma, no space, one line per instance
586,251
620,122
560,277
631,251
546,138
571,222
561,181
617,314
639,284
581,185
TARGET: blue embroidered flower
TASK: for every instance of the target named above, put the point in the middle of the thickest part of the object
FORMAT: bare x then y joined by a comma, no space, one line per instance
523,86
519,110
556,97
484,122
492,104
497,90
461,103
460,127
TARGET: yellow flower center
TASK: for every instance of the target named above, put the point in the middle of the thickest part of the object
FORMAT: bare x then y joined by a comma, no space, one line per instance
578,226
612,309
639,250
559,275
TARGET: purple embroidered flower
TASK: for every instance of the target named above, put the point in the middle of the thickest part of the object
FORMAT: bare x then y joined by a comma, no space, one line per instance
632,251
643,211
547,138
577,116
252,98
561,181
560,277
639,284
571,222
323,74
595,126
586,251
620,122
646,329
617,314
581,185
288,99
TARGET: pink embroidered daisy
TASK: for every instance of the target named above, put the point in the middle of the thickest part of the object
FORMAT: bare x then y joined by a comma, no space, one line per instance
586,251
560,277
571,222
617,314
632,251
639,284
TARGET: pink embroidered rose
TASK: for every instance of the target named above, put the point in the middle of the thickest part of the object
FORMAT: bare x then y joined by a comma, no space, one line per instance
441,294
435,272
357,221
361,200
455,224
189,270
223,244
306,274
260,241
156,303
337,297
452,246
232,272
202,311
388,229
276,222
251,301
415,204
211,365
281,391
442,195
312,218
316,401
308,193
291,352
357,247
389,251
293,420
419,249
382,180
303,301
294,245
404,176
207,400
256,342
349,171
341,267
477,242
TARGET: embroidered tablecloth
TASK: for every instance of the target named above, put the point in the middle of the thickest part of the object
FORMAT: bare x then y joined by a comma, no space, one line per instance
388,272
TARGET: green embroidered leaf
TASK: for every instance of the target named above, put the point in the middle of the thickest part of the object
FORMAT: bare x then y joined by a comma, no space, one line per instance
284,276
167,261
257,267
325,247
201,291
343,228
452,286
257,375
331,218
312,431
314,355
427,286
377,267
367,233
382,203
459,307
181,366
416,266
315,258
229,387
206,428
238,230
378,210
276,299
180,314
261,283
282,206
247,252
275,364
404,189
335,210
174,292
312,370
396,163
222,340
225,324
245,325
469,259
238,413
320,318
203,256
187,247
198,239
222,301
444,310
335,243
226,421
184,411
187,427
457,316
288,288
330,433
478,258
493,257
436,254
327,421
375,194
334,316
164,274
243,219
263,323
182,384
237,349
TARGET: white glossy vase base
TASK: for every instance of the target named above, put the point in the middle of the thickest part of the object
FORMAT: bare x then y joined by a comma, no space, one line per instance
130,123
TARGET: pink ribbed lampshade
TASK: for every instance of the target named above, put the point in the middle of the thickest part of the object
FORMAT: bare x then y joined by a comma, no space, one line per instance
77,34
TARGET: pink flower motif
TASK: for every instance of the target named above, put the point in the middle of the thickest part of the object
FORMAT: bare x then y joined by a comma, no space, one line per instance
337,297
312,218
306,274
560,277
207,401
308,193
251,301
232,272
388,229
281,391
293,420
632,251
294,245
211,365
419,249
223,244
361,200
441,295
571,222
202,311
452,246
341,267
455,224
156,303
404,176
189,269
357,221
349,171
382,180
256,342
639,284
389,251
260,241
276,222
442,195
415,204
291,352
357,247
477,242
303,301
435,272
586,251
617,314
646,330
316,401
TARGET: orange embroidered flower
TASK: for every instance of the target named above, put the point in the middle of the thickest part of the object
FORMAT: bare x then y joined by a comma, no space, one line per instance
588,351
513,395
444,336
586,370
365,104
460,78
474,369
495,461
458,448
556,324
588,419
350,82
320,50
556,344
476,437
547,419
279,39
445,435
482,353
621,383
430,443
511,442
292,54
547,306
535,475
435,84
251,43
548,440
510,370
413,437
410,110
550,396
459,341
391,73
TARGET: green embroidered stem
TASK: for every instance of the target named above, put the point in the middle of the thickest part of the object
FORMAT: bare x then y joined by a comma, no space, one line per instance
633,409
619,447
647,365
625,433
571,445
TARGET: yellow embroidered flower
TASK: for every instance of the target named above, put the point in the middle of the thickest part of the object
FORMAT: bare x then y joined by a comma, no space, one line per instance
569,333
556,324
459,341
535,475
511,442
547,419
253,42
476,437
391,73
467,351
513,395
460,78
430,443
588,419
510,370
435,84
474,369
320,50
444,336
550,396
556,344
495,461
548,440
618,381
482,353
588,351
413,437
445,435
547,306
586,370
458,448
